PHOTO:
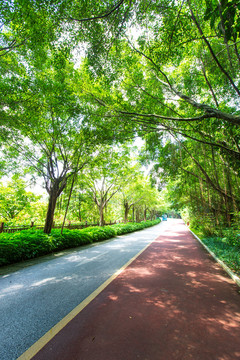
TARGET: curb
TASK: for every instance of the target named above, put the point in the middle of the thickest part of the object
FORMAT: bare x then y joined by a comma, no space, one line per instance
235,278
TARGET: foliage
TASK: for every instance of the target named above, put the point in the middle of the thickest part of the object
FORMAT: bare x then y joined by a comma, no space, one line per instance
230,236
176,83
24,245
166,70
139,195
32,243
50,136
225,251
107,175
14,199
199,182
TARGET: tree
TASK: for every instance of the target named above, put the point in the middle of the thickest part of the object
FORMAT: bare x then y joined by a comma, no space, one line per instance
81,206
107,175
178,74
42,119
50,133
138,193
131,194
14,198
199,179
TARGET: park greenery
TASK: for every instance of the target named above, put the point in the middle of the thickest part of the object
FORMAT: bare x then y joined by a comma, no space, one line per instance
32,243
81,80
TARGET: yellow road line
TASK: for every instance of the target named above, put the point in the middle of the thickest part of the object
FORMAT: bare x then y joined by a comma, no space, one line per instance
38,345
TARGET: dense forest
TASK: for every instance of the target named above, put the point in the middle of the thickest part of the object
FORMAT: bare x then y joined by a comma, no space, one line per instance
82,80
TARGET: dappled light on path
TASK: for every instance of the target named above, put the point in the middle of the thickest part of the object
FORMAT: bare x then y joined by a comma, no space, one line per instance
172,303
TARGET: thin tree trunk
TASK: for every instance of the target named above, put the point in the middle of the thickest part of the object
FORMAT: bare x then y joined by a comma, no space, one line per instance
137,215
226,201
69,198
145,213
80,212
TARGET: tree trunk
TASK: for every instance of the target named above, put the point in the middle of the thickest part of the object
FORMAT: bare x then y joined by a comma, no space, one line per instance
69,198
227,215
145,213
126,211
102,222
79,213
151,215
53,196
137,215
54,191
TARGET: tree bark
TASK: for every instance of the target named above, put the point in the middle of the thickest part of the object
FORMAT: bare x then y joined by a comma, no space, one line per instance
145,213
101,214
50,212
137,216
80,212
126,211
54,190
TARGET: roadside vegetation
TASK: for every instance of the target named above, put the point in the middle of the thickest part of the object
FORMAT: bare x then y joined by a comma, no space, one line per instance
228,253
29,244
225,244
81,81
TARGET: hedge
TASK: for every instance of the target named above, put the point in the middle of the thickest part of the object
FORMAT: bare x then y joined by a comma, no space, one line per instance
28,244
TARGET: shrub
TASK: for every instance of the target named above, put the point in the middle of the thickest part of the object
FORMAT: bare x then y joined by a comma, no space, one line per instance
23,245
231,236
70,238
27,244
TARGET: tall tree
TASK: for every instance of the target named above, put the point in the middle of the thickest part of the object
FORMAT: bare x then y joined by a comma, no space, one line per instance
51,133
107,175
179,75
138,193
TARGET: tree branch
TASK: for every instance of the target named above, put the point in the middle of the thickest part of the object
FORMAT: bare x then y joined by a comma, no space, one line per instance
211,50
117,6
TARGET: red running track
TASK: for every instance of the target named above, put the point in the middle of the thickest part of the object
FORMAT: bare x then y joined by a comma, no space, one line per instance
172,303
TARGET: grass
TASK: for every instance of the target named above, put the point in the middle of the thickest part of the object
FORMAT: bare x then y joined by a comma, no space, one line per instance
31,243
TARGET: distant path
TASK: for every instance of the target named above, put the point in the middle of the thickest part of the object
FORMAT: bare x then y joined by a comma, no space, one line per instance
35,298
172,303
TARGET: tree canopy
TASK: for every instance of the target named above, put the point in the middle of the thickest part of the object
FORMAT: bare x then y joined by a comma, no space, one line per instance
77,76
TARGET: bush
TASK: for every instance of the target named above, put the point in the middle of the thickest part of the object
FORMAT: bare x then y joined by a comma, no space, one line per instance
27,244
23,245
231,236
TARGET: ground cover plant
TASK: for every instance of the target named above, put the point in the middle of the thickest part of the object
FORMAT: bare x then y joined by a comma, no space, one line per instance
225,244
229,254
28,244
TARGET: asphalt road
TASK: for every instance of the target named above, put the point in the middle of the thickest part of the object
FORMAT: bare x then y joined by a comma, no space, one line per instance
35,298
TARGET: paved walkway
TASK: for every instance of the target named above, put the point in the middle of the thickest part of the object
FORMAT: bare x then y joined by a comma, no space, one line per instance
172,303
